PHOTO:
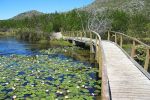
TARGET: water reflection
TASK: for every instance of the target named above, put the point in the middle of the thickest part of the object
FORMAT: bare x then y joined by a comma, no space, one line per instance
10,45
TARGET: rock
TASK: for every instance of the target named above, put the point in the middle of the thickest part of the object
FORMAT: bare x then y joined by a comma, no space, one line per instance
57,35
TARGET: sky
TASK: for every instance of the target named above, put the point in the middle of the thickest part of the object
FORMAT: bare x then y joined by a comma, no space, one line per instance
10,8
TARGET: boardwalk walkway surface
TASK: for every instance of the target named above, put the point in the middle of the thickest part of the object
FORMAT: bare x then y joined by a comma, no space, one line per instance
126,81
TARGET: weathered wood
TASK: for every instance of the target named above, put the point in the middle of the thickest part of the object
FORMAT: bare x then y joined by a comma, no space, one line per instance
126,81
115,37
100,62
119,74
108,36
81,35
96,53
133,49
147,59
121,41
73,34
91,46
131,38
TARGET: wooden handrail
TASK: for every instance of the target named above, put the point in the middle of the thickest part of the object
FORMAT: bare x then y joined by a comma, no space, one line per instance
132,38
100,57
135,41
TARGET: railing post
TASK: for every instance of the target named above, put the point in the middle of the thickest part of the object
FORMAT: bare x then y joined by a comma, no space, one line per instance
81,35
121,41
91,46
115,37
133,50
77,34
96,53
147,59
85,34
100,60
73,34
108,37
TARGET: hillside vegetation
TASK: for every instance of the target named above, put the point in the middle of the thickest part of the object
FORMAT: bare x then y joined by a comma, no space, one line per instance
28,14
131,17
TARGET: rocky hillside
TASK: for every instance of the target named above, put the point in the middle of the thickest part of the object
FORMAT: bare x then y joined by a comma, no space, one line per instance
28,14
126,5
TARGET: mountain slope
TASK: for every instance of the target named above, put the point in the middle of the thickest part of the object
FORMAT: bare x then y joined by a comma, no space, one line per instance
126,5
28,14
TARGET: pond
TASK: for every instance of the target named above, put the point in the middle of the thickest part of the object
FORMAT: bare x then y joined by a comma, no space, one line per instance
29,71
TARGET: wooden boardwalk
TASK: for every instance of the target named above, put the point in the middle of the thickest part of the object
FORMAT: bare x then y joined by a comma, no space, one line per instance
126,80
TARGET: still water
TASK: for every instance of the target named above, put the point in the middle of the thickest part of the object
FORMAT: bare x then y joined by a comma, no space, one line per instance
10,45
38,71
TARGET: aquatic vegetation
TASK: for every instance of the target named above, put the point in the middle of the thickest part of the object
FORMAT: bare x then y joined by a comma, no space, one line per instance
49,76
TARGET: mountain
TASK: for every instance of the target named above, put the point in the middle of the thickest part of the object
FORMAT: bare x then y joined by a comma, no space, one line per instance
28,14
126,5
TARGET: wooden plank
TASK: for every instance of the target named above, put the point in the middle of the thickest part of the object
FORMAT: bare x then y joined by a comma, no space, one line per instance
121,41
125,79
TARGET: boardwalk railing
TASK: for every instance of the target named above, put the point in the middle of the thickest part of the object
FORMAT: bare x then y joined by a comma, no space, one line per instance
95,39
119,38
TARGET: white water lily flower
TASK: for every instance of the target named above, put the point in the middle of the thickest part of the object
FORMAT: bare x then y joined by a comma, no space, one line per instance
92,94
69,81
14,97
58,91
68,91
42,82
3,77
66,97
38,70
86,86
78,87
17,79
6,83
46,90
83,85
13,88
37,55
67,70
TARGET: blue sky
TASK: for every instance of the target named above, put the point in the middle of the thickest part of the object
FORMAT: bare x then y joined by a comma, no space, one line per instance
10,8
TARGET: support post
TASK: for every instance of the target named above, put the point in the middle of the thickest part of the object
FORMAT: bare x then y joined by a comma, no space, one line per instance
81,35
121,41
96,52
108,37
115,37
73,42
91,45
100,61
73,34
133,50
147,59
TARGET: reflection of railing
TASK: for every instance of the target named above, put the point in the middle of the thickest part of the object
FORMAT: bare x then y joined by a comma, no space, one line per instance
99,56
120,37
